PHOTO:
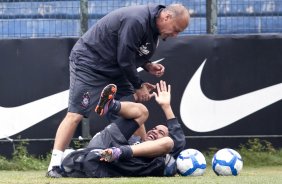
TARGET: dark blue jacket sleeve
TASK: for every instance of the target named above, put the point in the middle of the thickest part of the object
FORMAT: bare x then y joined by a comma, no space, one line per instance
130,36
177,135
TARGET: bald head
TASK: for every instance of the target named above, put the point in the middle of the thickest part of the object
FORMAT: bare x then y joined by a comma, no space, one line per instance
178,11
172,20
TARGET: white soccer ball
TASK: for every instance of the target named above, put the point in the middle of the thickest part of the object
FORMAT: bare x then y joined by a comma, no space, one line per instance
227,162
191,162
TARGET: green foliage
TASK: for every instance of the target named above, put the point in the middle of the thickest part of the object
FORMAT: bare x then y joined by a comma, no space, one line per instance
257,145
258,152
6,164
254,153
22,160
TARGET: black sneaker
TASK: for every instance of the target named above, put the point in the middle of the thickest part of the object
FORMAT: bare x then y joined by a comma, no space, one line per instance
107,96
55,172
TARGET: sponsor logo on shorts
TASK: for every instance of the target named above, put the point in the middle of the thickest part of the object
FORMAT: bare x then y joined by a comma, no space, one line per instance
85,100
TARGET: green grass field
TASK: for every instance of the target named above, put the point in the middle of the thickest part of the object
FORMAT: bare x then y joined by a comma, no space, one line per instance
262,164
256,175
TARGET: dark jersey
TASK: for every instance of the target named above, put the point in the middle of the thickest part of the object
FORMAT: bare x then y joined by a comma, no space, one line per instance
175,133
121,41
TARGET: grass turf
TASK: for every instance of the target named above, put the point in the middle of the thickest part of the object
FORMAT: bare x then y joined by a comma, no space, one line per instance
254,175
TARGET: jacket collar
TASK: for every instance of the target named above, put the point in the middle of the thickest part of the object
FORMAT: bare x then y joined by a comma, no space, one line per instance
154,12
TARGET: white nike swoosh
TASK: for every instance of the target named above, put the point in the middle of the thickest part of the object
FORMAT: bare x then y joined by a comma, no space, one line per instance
16,119
202,114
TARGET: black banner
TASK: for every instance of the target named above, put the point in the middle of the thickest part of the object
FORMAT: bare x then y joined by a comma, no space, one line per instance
236,94
225,89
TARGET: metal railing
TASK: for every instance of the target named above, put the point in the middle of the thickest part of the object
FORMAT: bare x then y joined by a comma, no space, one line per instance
70,18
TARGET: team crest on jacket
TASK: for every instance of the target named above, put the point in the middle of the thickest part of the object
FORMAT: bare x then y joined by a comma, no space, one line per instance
85,100
143,49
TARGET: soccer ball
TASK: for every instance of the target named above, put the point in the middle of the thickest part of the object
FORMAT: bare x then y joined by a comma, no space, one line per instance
227,162
191,162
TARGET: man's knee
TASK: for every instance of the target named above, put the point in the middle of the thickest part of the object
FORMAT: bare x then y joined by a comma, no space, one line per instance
73,117
144,113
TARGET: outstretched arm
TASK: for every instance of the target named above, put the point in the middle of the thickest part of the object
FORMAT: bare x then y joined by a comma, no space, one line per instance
148,149
175,131
154,148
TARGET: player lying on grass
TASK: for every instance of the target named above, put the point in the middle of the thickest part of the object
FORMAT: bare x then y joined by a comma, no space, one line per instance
113,152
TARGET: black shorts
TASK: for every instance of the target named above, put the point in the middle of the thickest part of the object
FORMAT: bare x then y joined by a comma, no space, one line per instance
86,85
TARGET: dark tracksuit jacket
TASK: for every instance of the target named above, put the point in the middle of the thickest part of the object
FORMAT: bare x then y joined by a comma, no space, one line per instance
85,163
120,42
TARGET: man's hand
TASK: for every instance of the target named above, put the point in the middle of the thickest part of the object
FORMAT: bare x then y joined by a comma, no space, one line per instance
155,69
163,94
143,94
110,154
163,97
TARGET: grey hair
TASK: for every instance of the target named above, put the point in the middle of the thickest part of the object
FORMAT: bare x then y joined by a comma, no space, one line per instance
176,10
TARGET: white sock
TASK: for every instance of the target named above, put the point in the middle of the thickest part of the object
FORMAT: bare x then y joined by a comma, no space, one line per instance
56,159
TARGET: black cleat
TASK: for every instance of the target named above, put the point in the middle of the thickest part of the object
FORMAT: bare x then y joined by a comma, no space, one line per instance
107,96
55,172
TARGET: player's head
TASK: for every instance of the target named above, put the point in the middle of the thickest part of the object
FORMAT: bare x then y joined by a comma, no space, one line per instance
172,20
157,132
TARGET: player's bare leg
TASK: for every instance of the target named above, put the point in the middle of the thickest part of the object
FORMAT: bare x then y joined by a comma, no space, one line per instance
63,137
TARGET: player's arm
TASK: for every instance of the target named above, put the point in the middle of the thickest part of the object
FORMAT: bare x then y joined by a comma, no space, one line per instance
130,34
148,149
163,97
154,148
177,135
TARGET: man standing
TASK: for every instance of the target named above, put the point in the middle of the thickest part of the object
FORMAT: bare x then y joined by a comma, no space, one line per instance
109,52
